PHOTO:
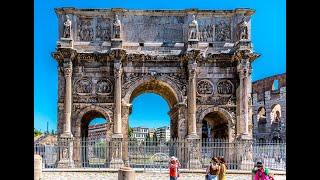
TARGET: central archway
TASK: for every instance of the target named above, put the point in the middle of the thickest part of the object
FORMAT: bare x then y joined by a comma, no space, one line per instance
165,90
170,93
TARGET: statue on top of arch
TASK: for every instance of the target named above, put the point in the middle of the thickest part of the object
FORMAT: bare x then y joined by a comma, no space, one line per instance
67,28
117,28
243,29
193,29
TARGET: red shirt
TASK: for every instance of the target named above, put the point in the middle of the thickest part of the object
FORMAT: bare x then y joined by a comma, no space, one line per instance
173,169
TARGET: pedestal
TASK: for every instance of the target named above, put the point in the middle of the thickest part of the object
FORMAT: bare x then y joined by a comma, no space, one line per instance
65,159
193,43
126,173
194,151
116,157
37,167
65,43
116,43
244,154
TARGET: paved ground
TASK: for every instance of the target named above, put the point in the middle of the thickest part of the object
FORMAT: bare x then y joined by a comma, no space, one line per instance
140,176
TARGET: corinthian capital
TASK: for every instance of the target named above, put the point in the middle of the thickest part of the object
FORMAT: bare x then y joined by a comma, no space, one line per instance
193,54
244,68
192,67
117,69
67,69
118,54
245,54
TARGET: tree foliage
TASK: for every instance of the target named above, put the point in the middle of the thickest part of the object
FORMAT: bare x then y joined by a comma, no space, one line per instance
36,132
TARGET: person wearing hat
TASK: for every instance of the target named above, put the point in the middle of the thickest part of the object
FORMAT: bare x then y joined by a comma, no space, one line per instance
174,166
260,172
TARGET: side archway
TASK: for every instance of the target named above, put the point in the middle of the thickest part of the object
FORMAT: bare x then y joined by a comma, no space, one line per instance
223,114
89,113
81,150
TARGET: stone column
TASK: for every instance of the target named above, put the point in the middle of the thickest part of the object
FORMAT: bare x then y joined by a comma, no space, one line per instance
244,71
67,99
66,138
117,100
192,123
117,137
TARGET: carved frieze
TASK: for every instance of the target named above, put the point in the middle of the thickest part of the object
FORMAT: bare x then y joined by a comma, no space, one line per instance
85,30
225,87
214,100
206,33
103,30
86,56
177,79
83,86
222,31
204,87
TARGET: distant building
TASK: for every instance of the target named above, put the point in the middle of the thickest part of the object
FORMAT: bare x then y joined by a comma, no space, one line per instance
140,133
98,131
269,108
152,132
163,133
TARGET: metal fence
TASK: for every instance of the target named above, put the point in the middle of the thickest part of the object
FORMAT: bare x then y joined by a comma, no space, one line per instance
155,155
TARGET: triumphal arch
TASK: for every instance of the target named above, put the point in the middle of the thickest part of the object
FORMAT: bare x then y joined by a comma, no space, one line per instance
198,60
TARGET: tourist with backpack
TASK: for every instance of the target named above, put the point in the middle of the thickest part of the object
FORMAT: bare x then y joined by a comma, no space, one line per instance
213,169
174,166
260,172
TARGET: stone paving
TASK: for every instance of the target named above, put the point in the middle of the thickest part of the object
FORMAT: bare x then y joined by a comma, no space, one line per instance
140,176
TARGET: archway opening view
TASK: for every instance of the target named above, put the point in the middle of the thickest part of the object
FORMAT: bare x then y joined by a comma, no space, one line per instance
96,131
214,126
149,119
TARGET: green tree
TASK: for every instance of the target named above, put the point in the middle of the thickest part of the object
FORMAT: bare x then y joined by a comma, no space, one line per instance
130,131
99,149
36,132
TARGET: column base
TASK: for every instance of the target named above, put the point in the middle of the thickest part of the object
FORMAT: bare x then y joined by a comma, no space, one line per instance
65,163
116,163
66,135
117,136
193,136
126,173
245,136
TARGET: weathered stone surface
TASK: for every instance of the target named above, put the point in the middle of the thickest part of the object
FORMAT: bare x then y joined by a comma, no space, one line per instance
198,60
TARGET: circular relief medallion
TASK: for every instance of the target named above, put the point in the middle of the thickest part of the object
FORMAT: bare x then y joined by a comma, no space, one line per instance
225,87
83,86
205,87
104,87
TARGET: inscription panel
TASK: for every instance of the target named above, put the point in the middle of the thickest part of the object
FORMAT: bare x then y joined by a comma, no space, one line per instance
153,28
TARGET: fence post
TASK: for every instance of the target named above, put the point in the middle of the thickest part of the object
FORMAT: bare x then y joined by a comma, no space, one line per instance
144,156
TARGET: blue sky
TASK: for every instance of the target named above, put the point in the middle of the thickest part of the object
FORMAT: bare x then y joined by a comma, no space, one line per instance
268,36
